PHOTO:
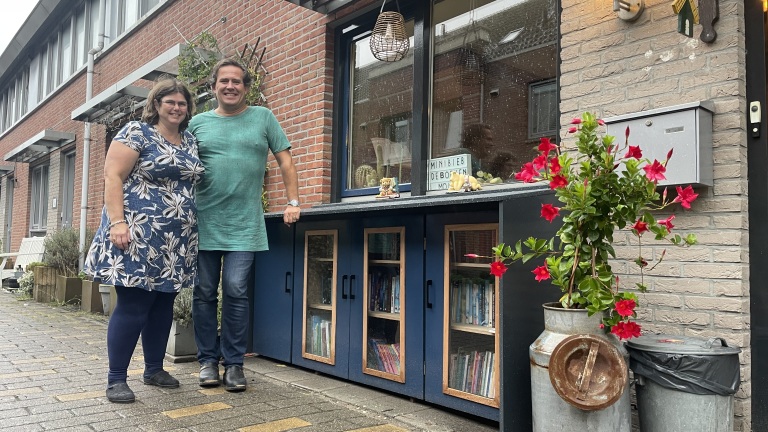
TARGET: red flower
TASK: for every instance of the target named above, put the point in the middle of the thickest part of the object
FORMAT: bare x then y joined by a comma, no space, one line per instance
557,181
573,129
634,152
667,223
626,132
625,308
554,165
685,196
472,255
546,146
541,272
548,212
527,174
669,154
498,268
540,162
655,171
626,330
576,121
640,227
601,122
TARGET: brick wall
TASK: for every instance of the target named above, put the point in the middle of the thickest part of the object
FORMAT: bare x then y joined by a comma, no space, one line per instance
611,67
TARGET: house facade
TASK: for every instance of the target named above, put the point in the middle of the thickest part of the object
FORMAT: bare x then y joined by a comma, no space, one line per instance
501,73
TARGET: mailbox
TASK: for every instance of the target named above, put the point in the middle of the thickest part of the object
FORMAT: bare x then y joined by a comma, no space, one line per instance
687,128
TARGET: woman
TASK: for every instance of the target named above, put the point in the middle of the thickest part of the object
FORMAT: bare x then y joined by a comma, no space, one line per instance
146,244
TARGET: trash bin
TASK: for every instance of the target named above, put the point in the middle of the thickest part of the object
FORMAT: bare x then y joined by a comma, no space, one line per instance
683,383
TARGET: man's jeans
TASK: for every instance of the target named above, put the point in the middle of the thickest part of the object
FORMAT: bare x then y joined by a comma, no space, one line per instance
237,267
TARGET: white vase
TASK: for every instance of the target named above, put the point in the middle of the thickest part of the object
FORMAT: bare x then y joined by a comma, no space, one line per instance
550,411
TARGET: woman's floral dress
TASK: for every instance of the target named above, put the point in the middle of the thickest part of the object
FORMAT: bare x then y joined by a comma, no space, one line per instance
159,206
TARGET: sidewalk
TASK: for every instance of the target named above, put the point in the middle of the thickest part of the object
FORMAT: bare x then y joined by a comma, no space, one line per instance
53,366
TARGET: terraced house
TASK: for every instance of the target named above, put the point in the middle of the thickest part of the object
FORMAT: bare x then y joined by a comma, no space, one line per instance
363,288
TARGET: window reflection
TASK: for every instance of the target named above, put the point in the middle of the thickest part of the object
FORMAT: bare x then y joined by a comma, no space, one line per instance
494,92
381,111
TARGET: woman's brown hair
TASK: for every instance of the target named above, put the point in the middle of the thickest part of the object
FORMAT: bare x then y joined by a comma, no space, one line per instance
161,89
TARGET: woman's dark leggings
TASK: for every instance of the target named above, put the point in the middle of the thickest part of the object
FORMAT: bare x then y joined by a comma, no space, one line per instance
138,312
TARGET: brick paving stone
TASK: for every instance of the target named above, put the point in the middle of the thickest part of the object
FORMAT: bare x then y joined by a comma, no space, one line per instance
53,366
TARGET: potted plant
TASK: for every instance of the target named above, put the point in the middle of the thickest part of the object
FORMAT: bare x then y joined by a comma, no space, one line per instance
181,345
90,296
603,188
27,280
62,252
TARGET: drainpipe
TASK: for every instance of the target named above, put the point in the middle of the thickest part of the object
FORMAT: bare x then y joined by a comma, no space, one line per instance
87,132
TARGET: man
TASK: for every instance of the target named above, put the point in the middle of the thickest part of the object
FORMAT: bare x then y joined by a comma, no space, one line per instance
233,143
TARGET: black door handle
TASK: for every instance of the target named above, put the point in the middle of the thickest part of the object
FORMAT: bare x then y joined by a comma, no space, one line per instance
352,287
426,293
344,287
287,282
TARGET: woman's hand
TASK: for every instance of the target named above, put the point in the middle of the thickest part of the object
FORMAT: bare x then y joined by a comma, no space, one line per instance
120,235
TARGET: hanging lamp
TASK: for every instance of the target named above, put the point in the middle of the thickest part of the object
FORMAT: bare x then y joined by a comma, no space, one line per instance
389,41
470,60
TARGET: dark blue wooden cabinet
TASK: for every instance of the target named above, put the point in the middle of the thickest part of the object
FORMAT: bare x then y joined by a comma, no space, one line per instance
273,294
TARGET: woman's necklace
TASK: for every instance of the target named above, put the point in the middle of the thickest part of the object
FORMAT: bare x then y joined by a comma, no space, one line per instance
173,138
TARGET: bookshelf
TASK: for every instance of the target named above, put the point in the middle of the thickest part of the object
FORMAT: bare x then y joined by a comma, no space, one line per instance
384,302
471,314
319,308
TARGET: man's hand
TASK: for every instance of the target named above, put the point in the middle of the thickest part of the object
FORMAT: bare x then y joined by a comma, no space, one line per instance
291,214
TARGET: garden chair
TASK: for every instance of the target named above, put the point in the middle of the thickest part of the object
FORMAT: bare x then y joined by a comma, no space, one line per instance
31,250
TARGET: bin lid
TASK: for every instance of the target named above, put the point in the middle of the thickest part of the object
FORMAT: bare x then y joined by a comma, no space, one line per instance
588,372
677,344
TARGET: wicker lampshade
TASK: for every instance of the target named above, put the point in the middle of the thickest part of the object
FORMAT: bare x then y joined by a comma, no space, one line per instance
471,66
389,41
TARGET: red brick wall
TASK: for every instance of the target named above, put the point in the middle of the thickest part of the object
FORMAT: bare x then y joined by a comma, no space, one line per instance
298,88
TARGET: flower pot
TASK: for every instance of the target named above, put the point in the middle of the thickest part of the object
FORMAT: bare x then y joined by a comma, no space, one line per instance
44,290
106,297
181,345
550,411
91,298
68,289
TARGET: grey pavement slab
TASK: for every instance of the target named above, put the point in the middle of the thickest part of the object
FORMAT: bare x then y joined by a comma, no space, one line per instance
53,366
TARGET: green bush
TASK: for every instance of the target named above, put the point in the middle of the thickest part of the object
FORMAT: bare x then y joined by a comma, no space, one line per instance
62,250
182,307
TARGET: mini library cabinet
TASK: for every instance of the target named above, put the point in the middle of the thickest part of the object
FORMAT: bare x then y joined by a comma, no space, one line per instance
385,295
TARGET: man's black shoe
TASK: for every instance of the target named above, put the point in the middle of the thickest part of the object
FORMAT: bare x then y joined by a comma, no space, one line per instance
234,380
209,375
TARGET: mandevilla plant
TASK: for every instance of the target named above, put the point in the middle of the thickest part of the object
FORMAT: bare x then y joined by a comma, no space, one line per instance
603,188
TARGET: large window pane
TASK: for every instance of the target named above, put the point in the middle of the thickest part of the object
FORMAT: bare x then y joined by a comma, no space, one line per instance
66,51
81,39
39,198
381,117
494,67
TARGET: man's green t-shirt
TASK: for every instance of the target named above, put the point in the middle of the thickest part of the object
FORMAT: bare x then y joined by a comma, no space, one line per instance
233,151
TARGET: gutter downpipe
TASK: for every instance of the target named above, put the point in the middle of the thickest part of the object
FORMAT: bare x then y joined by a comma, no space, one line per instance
87,132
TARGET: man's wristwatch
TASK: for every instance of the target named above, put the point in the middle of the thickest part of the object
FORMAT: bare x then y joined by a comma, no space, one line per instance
293,203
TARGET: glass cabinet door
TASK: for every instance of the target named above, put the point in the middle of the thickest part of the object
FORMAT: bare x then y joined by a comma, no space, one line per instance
384,303
470,344
319,330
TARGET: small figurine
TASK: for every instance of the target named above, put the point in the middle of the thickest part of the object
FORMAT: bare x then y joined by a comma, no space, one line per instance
388,188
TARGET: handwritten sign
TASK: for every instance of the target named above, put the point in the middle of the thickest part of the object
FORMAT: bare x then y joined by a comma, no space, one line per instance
439,170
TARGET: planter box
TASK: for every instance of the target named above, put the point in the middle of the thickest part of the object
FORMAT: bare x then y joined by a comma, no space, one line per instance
91,298
68,289
44,290
181,345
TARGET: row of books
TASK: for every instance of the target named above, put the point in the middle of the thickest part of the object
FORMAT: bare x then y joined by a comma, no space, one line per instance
473,302
473,372
384,356
319,337
384,292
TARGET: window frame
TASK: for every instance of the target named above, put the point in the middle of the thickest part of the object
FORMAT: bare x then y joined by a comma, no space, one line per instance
38,198
534,109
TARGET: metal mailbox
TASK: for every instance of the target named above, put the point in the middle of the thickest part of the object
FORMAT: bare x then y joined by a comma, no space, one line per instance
687,128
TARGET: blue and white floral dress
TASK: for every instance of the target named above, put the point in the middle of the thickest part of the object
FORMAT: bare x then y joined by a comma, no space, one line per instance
159,206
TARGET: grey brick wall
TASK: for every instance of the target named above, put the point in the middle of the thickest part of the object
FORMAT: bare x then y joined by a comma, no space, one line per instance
611,67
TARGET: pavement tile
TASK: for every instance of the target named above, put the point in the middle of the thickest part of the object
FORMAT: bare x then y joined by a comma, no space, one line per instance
277,426
53,366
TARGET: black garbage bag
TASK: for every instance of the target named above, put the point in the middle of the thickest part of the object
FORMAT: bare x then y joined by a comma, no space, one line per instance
695,372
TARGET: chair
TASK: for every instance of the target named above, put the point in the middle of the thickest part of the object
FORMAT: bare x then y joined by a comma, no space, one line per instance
31,250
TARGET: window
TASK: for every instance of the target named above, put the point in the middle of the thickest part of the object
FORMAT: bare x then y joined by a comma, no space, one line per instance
39,198
488,89
66,51
81,41
543,109
68,189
